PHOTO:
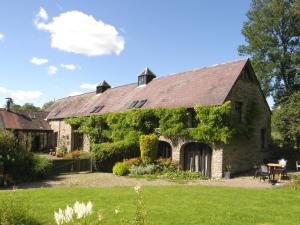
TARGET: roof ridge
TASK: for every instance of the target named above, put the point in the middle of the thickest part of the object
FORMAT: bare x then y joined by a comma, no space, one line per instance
201,68
163,76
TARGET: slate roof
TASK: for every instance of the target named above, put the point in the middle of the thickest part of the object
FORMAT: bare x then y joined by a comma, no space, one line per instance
24,120
205,86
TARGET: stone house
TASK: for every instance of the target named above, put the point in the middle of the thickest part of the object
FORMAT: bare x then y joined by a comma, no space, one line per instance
233,81
28,126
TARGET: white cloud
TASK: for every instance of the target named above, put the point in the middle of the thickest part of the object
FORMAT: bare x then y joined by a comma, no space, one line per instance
68,66
1,36
79,33
52,70
3,90
38,61
42,14
19,96
75,93
88,86
25,96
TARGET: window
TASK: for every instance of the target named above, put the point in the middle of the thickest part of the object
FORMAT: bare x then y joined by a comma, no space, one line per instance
141,103
132,104
263,138
142,80
94,109
239,110
97,109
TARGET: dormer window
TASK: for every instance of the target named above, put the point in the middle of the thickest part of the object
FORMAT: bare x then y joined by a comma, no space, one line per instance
146,76
103,86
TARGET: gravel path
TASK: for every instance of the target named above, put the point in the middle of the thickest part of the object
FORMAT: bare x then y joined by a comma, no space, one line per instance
110,180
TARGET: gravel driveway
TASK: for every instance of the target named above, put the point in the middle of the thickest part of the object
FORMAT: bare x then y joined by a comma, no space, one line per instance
110,180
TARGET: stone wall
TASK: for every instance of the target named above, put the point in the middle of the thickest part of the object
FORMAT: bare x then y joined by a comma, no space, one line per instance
65,136
243,153
64,133
178,155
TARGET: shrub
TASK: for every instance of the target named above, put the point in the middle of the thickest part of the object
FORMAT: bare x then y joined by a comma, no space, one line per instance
121,169
133,162
77,154
166,163
14,212
149,147
42,167
107,154
16,162
183,175
61,151
141,169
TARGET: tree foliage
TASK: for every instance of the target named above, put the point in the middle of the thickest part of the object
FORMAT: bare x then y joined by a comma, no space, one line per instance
47,105
286,121
272,33
26,106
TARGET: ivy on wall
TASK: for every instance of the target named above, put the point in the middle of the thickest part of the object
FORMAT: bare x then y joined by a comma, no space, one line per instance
118,133
213,124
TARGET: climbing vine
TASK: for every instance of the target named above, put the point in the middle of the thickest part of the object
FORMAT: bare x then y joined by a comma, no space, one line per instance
115,134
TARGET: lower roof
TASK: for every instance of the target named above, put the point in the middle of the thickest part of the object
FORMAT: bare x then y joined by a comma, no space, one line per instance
24,120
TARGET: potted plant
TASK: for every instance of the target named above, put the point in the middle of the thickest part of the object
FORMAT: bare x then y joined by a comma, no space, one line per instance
227,172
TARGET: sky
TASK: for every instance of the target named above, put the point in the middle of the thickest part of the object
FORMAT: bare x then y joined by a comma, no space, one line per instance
53,49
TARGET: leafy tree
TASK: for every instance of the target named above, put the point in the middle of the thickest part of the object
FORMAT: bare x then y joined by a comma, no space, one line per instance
272,33
26,106
286,121
47,105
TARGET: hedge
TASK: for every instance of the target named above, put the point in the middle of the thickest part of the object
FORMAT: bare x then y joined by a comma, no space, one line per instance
149,147
107,154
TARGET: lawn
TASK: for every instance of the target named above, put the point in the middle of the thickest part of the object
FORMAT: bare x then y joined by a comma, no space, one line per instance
180,204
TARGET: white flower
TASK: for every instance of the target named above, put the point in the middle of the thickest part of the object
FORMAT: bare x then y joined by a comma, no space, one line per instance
59,217
81,210
69,214
88,208
117,210
137,189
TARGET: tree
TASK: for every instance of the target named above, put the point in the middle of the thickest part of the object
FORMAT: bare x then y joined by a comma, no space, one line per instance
272,33
286,121
26,106
47,105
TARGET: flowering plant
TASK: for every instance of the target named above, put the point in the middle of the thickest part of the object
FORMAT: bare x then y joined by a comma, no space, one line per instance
78,212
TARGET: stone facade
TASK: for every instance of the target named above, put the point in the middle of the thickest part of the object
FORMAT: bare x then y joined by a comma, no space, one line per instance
65,136
241,154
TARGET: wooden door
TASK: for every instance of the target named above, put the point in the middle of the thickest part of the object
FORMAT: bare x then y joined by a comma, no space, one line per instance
197,158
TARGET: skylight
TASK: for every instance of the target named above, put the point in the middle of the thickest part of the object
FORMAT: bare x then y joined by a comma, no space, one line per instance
132,104
141,103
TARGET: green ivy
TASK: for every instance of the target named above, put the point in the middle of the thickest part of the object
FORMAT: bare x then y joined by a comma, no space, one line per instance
114,132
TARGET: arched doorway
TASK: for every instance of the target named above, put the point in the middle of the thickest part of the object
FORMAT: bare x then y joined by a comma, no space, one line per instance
197,158
164,150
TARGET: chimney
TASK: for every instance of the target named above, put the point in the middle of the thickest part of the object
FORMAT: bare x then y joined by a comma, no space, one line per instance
146,76
103,86
9,101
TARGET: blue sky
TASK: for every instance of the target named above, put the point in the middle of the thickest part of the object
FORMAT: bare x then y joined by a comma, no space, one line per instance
51,49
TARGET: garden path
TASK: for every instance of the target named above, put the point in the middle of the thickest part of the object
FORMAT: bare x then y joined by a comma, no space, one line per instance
110,180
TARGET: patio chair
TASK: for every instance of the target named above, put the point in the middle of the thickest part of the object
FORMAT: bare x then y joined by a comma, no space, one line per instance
256,171
283,164
297,165
265,173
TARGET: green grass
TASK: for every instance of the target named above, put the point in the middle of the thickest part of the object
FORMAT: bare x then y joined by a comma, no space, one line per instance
174,204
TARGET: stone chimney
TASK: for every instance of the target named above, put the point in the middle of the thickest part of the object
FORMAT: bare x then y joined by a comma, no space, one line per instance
103,86
9,102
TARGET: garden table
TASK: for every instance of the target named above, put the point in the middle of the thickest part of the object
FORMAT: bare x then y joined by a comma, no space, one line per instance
274,168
